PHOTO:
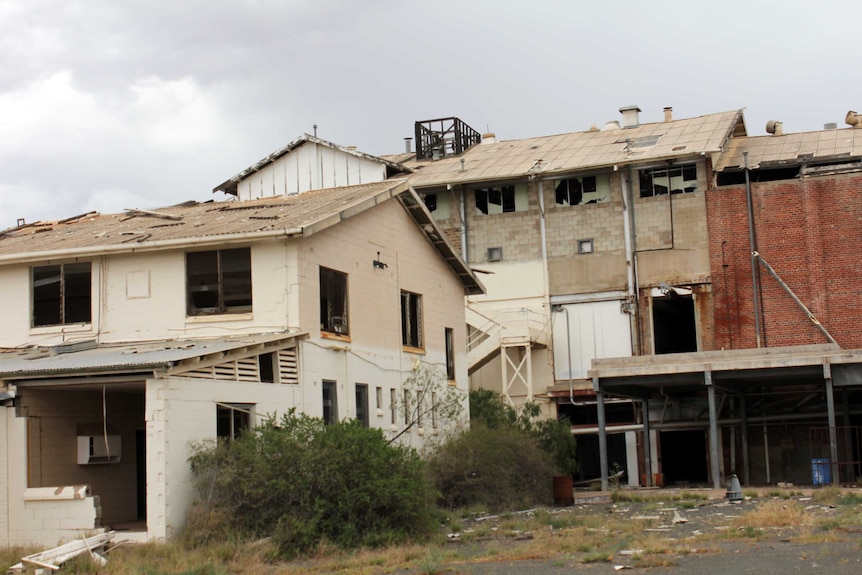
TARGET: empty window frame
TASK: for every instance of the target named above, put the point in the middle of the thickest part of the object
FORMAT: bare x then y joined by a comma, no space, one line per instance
268,368
393,406
411,319
406,407
582,190
330,402
232,419
218,281
362,403
434,410
450,353
439,205
501,199
676,179
333,302
62,294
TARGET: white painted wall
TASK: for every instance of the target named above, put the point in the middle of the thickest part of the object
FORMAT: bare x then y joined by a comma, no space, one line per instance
596,329
310,167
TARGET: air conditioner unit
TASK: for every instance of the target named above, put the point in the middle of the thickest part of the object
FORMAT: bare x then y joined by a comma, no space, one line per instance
93,449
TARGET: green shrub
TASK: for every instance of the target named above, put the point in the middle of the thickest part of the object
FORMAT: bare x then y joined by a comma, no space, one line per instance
494,468
303,482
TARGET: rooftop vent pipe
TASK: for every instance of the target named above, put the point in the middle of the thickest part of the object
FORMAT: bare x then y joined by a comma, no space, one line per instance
830,126
407,145
630,116
489,138
668,113
775,128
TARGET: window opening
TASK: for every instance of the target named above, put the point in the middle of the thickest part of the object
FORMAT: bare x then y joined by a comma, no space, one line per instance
232,419
411,319
218,281
62,294
393,406
501,200
267,367
333,302
677,179
434,410
330,403
362,403
450,353
379,398
583,190
406,407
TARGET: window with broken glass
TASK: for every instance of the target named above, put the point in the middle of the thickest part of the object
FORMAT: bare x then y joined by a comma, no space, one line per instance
333,302
218,281
676,179
501,199
232,419
582,190
411,319
62,294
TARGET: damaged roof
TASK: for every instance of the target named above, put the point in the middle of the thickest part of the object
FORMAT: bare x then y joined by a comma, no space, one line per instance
221,223
798,148
230,186
594,149
86,357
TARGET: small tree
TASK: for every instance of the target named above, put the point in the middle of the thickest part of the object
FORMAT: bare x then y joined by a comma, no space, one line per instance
428,397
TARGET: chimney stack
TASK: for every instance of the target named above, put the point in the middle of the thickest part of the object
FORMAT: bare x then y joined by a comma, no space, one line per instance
630,116
668,114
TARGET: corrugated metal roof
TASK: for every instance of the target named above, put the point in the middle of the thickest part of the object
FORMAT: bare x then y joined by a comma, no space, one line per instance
221,223
801,147
229,186
301,214
580,150
134,356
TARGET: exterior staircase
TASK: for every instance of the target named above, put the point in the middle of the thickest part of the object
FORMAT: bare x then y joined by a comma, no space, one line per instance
490,332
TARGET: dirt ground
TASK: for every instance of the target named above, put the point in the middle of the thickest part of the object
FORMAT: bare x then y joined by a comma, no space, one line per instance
779,552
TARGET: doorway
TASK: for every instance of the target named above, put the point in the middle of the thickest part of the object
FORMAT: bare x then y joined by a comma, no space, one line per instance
673,320
683,456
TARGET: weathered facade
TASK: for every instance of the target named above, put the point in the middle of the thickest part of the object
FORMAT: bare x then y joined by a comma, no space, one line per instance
128,337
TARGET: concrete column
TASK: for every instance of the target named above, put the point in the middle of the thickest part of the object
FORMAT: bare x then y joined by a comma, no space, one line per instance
743,422
647,446
713,431
830,410
603,436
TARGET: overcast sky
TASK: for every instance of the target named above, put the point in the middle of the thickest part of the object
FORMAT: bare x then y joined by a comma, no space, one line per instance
107,105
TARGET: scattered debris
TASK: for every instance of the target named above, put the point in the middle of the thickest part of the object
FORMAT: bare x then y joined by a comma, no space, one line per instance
621,567
677,518
631,551
53,558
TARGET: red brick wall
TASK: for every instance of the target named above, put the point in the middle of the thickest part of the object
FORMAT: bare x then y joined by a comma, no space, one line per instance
810,231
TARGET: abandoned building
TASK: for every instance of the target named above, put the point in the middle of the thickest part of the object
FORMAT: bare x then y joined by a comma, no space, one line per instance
127,337
618,271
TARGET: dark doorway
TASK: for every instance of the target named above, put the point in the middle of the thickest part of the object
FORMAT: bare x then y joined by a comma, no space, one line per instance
589,465
141,471
673,324
684,457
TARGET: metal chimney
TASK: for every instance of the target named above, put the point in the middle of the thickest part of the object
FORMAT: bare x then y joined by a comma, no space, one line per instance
668,113
408,145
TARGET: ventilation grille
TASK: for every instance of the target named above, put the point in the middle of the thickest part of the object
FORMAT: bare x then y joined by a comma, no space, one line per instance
248,369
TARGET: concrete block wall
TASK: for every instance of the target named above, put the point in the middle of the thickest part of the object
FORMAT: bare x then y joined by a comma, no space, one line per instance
51,515
516,232
807,229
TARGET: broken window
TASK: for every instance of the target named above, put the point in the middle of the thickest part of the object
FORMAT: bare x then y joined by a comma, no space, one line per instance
62,294
232,419
362,403
676,179
438,205
218,281
333,302
583,190
502,199
330,403
674,329
450,353
411,319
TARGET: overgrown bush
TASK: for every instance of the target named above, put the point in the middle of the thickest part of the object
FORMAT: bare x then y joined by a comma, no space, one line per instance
501,468
302,482
505,459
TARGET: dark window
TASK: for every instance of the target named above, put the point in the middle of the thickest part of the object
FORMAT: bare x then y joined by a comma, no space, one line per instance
333,301
407,407
330,403
411,319
676,179
232,419
362,403
62,294
495,200
431,202
218,281
450,353
266,363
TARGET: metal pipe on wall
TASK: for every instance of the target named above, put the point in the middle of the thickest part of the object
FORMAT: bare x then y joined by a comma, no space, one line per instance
752,240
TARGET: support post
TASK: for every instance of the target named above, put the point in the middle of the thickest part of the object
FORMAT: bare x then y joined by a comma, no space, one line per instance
603,436
743,422
830,411
713,431
647,445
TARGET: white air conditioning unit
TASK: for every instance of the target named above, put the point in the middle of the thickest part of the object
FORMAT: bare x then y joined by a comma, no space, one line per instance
94,449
